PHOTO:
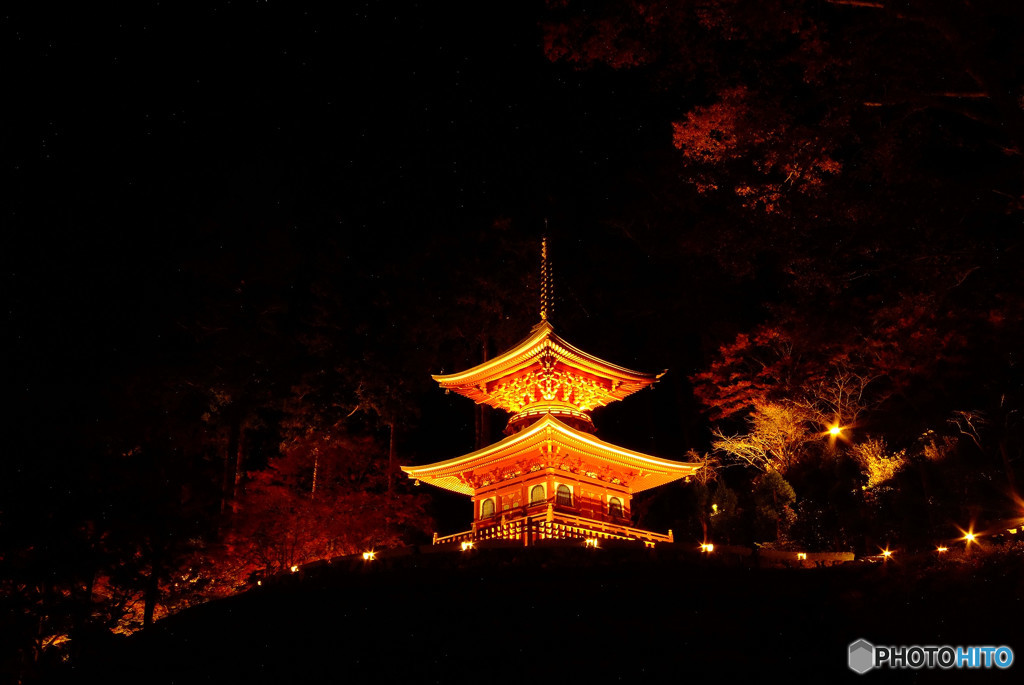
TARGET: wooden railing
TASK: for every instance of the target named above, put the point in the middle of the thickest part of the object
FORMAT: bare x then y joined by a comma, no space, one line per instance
466,536
552,525
564,525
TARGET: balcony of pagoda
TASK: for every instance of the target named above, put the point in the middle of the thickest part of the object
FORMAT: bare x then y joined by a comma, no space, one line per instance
537,522
595,509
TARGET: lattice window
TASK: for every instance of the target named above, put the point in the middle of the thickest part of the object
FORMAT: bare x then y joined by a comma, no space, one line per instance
537,494
487,508
615,507
564,495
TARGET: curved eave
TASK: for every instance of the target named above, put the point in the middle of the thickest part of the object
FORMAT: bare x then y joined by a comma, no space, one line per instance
524,354
448,474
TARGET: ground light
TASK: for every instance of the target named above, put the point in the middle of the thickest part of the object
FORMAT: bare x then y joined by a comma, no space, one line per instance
707,547
970,538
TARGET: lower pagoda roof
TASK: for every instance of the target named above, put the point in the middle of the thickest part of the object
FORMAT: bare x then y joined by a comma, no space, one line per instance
635,471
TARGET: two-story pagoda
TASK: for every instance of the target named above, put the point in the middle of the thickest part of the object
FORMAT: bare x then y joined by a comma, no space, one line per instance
551,477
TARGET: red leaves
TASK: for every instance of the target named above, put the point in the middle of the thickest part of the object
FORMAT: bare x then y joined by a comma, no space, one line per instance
746,373
616,40
752,139
717,132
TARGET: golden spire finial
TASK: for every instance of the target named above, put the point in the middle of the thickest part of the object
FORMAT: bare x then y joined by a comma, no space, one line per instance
545,276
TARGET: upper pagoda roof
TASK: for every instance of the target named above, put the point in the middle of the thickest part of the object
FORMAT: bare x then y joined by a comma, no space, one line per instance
588,381
548,443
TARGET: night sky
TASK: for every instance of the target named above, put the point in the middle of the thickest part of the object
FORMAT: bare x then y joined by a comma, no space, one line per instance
154,152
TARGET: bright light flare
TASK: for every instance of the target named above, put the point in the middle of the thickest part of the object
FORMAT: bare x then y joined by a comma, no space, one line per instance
707,547
801,556
940,550
295,568
835,431
969,536
467,545
887,553
369,556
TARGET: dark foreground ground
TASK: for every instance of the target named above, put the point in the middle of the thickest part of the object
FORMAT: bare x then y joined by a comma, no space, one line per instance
567,615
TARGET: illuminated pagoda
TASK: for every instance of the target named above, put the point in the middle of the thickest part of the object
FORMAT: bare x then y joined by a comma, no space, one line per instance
551,477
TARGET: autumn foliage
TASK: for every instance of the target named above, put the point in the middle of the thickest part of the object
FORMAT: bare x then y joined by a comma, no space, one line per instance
854,169
325,496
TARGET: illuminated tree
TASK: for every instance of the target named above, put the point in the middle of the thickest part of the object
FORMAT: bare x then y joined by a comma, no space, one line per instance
774,442
879,462
837,400
325,496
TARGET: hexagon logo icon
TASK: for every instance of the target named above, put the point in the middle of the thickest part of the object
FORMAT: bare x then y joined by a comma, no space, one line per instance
862,656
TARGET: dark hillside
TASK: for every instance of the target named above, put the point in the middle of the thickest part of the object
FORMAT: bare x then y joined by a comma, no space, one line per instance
569,615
